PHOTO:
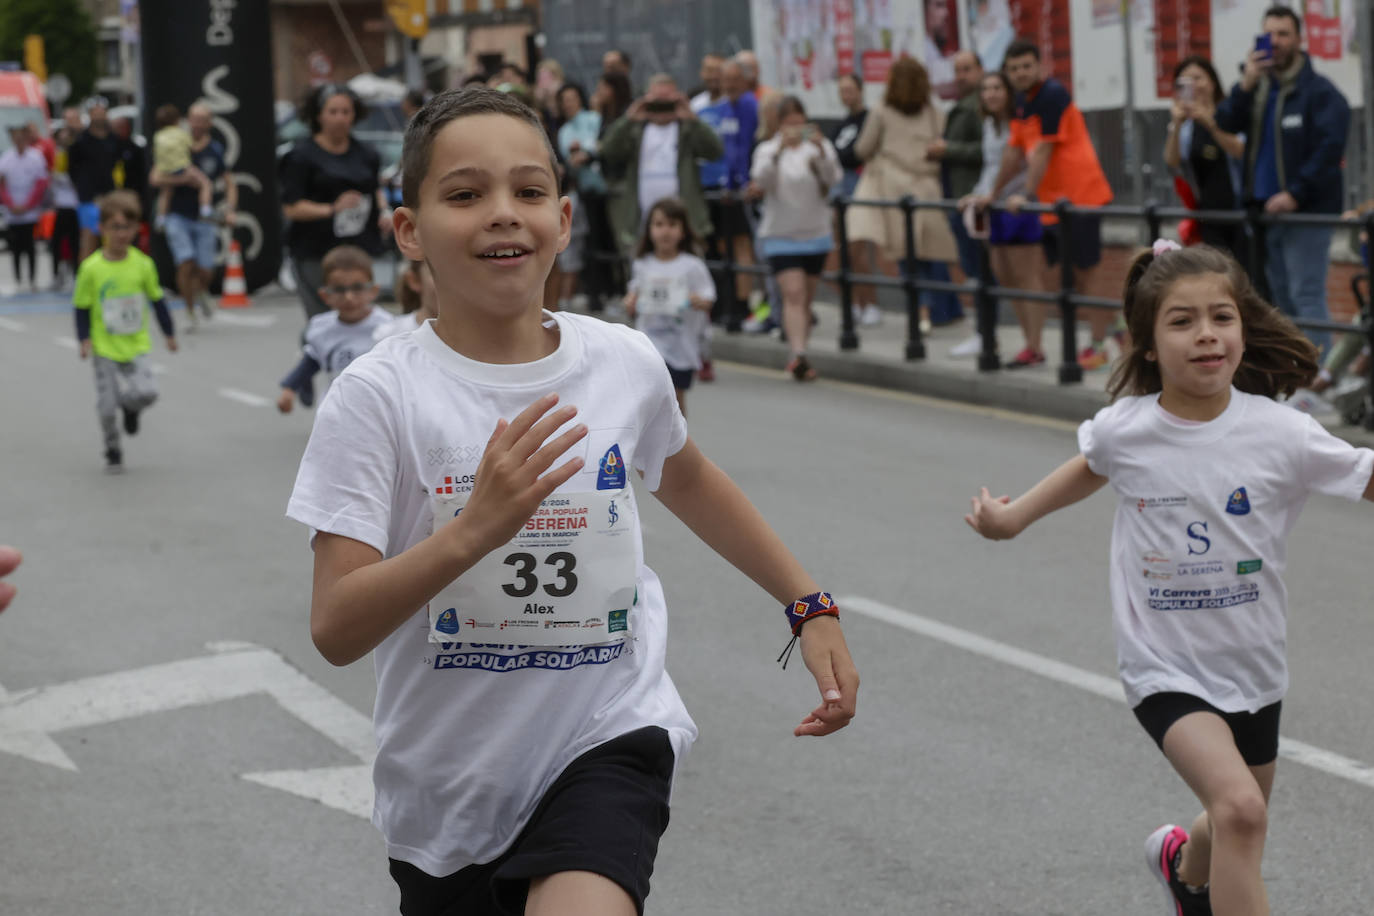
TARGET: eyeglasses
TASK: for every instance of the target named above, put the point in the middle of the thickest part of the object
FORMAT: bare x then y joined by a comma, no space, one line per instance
356,289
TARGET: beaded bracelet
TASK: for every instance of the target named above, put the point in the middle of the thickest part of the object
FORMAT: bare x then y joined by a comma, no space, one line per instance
800,611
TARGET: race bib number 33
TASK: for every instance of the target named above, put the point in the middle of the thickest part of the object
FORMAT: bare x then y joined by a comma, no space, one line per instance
566,579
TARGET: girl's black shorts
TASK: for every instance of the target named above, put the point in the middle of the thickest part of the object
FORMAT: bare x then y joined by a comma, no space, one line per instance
1256,733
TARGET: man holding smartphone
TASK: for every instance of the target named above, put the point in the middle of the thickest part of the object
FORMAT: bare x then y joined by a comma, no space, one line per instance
658,143
1295,123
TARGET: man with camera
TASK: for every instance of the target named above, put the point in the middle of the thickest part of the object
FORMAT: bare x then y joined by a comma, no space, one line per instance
658,143
1295,123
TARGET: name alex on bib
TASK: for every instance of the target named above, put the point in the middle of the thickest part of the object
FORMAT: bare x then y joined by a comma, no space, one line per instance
567,578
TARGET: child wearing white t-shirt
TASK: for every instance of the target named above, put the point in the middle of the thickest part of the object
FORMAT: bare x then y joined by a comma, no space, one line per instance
477,533
340,335
671,292
1210,474
418,299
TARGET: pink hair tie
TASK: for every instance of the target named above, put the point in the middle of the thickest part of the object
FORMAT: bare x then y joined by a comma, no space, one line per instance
1162,246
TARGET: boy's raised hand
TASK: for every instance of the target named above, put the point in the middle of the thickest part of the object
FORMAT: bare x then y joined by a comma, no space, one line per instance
827,658
509,486
991,517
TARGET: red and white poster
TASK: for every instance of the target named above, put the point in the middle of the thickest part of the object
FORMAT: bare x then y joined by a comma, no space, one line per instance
1182,28
1047,23
1323,27
844,36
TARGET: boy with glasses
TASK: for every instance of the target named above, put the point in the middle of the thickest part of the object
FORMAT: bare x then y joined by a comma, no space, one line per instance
340,335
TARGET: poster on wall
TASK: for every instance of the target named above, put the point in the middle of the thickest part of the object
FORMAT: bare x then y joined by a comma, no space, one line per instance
940,45
1330,28
1046,22
1106,12
990,31
1182,28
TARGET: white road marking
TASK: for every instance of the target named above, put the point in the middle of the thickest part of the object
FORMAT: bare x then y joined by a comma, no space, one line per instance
1297,751
244,397
67,342
244,321
10,324
29,718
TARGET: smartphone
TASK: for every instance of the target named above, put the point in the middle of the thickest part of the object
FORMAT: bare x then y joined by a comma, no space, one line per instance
660,106
1184,90
1265,44
809,132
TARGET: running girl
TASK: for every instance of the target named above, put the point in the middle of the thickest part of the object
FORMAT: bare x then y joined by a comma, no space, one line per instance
418,299
671,292
1211,474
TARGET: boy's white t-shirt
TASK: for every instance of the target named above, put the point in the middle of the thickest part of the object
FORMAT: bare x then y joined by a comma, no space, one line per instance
471,735
1199,543
333,344
664,311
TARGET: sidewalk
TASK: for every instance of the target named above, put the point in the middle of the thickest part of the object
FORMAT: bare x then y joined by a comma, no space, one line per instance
880,361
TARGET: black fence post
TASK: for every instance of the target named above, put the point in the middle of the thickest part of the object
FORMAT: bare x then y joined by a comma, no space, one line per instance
849,340
1152,221
734,318
1368,318
915,346
1254,250
1069,370
986,305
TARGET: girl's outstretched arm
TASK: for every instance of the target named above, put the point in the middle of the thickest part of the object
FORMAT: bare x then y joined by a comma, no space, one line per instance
1001,518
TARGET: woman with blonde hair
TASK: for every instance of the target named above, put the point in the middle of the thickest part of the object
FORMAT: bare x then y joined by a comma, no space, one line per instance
893,146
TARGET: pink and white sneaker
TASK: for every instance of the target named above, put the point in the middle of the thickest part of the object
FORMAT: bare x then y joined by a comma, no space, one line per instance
1161,856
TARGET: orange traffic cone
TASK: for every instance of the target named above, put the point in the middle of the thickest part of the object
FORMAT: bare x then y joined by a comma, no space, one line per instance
235,290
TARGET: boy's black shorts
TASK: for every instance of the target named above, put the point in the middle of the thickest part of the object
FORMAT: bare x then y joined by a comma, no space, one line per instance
603,814
1256,733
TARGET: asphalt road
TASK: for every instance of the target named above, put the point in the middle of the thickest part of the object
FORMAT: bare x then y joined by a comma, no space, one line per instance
978,778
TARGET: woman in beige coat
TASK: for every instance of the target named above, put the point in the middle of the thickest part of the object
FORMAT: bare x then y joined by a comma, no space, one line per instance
893,146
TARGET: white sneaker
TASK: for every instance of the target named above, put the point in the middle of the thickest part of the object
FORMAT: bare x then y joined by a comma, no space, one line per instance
970,347
1308,401
870,315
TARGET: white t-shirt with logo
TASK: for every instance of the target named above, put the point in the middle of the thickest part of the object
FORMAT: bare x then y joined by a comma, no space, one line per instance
1199,543
333,344
663,308
471,734
22,173
657,164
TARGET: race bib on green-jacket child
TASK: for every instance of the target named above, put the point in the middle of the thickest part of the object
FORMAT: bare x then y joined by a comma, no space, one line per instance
566,579
123,314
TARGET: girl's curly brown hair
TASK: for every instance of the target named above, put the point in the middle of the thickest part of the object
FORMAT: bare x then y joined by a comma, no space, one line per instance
1278,359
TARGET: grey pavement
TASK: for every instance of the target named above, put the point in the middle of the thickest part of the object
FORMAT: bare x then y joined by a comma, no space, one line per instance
965,785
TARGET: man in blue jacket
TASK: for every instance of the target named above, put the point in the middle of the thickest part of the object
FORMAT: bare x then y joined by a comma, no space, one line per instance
1295,124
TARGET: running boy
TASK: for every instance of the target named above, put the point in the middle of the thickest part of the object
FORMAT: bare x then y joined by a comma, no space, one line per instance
479,532
1210,474
114,287
172,156
337,337
671,292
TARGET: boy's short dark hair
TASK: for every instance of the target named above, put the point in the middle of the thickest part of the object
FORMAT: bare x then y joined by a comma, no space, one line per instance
1283,12
1020,48
120,203
167,116
346,257
446,107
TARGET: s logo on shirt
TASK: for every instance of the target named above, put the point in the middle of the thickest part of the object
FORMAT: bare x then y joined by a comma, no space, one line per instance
1196,535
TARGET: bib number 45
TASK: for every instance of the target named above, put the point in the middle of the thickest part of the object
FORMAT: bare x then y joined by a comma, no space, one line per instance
526,581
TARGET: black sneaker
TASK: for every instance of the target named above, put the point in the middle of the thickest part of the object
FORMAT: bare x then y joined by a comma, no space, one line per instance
1162,852
130,421
114,461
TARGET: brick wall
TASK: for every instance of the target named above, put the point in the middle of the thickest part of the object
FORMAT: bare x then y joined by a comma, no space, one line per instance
300,30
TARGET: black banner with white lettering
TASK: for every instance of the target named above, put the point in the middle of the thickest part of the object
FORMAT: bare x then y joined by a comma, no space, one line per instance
220,52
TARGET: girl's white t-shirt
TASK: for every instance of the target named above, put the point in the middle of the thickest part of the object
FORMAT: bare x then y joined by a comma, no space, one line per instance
663,309
470,735
1199,543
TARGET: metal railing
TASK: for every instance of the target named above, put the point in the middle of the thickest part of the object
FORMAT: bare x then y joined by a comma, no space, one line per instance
985,292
